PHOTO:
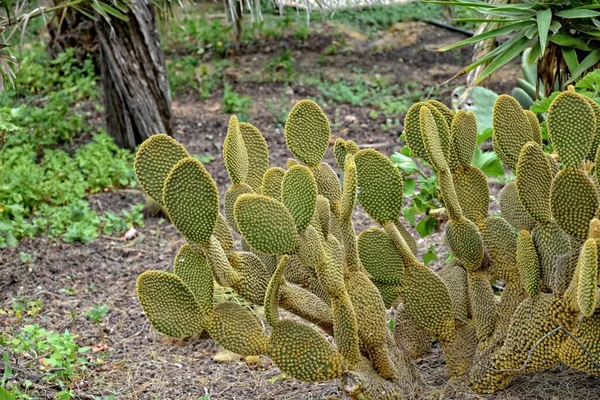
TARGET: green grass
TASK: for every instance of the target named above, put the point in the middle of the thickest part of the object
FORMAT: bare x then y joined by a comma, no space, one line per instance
44,178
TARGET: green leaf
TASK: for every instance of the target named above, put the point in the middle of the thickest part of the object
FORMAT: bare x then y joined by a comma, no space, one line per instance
505,30
430,255
409,187
578,13
570,57
6,395
544,18
405,163
488,162
562,39
485,135
504,58
426,226
588,62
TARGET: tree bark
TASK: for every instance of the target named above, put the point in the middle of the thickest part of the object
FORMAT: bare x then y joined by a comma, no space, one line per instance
136,91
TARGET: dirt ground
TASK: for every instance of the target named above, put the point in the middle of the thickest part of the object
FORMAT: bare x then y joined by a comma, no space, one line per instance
142,364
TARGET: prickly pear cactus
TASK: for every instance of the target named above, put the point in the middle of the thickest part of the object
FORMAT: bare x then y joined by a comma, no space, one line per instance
300,251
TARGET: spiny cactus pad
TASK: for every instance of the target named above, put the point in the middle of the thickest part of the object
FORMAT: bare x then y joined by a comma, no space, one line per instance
266,224
299,350
299,194
153,162
307,132
379,185
272,182
193,269
534,178
511,129
380,257
571,127
528,264
258,154
587,285
192,200
169,304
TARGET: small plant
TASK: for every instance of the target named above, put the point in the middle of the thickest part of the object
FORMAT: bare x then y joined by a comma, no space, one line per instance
96,314
281,68
235,103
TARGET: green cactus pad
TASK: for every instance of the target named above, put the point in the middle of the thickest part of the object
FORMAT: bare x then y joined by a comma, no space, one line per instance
350,188
223,233
536,131
307,132
443,129
328,183
322,215
231,195
389,293
408,238
483,305
574,201
379,256
445,111
195,272
299,195
267,226
252,276
534,179
432,141
472,190
234,152
500,243
551,243
271,300
299,351
455,278
463,136
412,131
272,183
192,200
379,185
571,127
528,264
576,352
465,242
154,160
169,304
236,329
512,209
340,152
408,335
460,354
433,313
511,129
594,147
587,285
258,154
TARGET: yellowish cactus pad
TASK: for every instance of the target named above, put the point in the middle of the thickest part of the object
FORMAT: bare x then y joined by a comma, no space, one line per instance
380,257
307,132
234,152
258,154
528,264
266,224
571,127
465,242
236,329
192,200
379,185
512,209
154,160
272,182
169,304
194,270
574,201
463,136
299,351
299,195
534,179
587,285
512,129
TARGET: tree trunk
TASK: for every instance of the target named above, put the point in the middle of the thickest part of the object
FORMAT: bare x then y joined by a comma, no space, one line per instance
136,91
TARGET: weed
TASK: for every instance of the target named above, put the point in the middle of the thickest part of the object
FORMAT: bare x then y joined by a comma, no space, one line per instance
96,315
235,103
281,68
188,73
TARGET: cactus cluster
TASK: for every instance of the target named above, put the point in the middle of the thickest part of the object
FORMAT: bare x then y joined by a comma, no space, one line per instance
299,250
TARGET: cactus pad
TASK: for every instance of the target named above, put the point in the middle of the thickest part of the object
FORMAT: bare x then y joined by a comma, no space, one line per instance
528,264
534,179
194,270
154,160
272,182
169,304
258,154
191,199
379,185
234,152
463,136
587,285
307,132
266,224
465,242
380,257
512,129
299,195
